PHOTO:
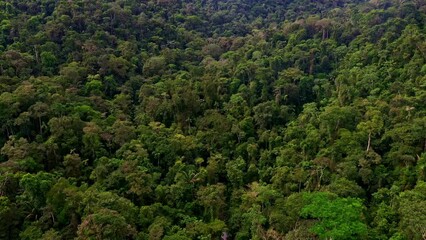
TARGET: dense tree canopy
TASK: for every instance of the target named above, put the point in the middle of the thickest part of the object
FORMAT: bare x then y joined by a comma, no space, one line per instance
212,119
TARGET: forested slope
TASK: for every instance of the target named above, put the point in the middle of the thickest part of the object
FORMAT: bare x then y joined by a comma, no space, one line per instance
204,119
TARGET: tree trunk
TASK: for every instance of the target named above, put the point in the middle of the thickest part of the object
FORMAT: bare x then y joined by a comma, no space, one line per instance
312,62
39,124
369,141
37,57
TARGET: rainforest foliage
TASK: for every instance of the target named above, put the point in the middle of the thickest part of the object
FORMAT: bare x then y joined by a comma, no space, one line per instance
212,119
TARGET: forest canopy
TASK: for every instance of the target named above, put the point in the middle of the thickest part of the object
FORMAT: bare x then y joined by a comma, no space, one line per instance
212,119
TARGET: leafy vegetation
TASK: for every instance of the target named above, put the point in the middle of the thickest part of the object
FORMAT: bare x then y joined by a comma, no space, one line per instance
212,119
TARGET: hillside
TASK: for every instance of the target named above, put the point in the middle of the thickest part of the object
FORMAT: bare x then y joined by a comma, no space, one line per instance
212,119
